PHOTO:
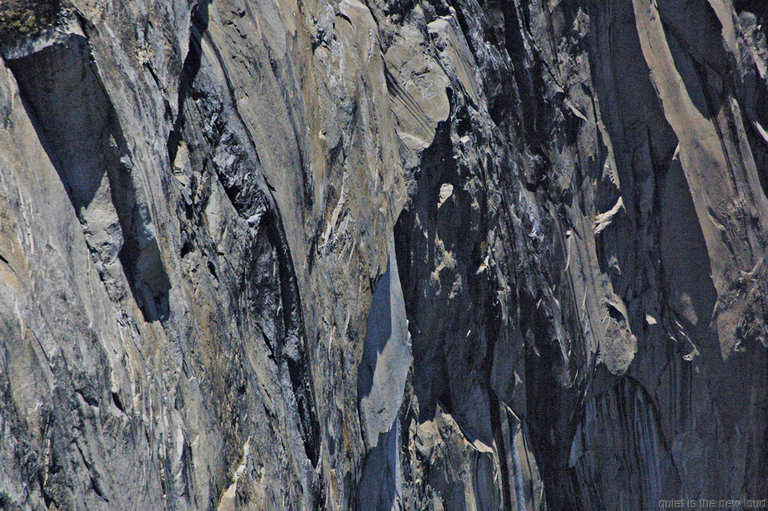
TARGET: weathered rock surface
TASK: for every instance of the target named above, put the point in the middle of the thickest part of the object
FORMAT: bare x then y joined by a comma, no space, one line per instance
392,254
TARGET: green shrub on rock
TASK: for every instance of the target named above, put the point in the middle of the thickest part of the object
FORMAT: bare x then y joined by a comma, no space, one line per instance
21,18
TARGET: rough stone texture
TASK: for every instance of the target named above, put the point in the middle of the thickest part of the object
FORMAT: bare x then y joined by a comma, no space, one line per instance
399,254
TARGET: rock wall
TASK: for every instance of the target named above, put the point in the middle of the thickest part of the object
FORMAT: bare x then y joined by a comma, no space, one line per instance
391,254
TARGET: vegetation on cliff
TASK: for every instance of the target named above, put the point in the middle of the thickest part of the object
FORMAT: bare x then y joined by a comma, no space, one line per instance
20,18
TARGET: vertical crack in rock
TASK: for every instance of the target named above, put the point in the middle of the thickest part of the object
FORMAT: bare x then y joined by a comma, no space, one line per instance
210,133
294,348
189,70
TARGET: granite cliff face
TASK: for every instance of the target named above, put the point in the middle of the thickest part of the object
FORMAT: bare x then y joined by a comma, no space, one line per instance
391,254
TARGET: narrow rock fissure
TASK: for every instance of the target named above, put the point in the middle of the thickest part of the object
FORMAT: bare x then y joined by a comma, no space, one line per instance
295,349
218,128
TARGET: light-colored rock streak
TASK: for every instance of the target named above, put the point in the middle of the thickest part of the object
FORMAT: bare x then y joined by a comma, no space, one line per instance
386,356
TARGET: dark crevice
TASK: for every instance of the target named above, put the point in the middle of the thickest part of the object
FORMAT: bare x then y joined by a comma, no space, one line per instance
299,367
118,402
552,399
528,78
414,248
189,71
494,327
759,148
186,248
615,313
209,123
757,7
495,406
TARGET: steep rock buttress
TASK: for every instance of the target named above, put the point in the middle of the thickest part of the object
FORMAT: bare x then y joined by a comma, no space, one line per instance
393,254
